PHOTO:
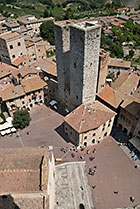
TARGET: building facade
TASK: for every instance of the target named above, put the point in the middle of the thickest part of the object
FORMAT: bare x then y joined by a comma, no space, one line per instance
12,46
89,124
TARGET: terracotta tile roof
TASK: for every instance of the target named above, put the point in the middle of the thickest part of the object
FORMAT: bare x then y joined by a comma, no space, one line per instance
33,84
125,8
109,95
48,66
125,83
6,70
88,117
12,92
29,43
9,35
117,23
24,201
20,169
132,104
28,70
19,60
114,62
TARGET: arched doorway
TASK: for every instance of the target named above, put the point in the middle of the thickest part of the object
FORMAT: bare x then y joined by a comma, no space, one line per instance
81,206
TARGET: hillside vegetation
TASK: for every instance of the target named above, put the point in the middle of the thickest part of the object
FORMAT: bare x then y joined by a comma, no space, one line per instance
59,9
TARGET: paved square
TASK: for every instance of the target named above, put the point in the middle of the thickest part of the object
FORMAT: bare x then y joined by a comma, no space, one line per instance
40,132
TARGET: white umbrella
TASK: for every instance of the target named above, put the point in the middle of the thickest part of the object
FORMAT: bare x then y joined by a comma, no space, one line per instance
3,133
13,129
8,131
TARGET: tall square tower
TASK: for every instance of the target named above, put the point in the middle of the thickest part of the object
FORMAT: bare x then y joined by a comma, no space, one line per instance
77,57
84,61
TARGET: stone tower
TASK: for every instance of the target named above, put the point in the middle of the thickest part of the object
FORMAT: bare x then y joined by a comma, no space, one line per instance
77,55
62,44
84,60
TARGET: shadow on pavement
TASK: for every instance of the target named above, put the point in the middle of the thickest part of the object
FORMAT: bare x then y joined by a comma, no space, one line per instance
61,132
7,202
118,135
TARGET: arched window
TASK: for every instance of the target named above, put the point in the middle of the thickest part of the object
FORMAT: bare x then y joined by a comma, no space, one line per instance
81,206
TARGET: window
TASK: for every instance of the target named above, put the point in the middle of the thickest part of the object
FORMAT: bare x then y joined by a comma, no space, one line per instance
21,53
76,97
19,44
93,141
108,124
39,97
13,56
94,134
105,134
23,102
103,129
66,128
85,137
29,100
74,64
11,46
70,132
31,105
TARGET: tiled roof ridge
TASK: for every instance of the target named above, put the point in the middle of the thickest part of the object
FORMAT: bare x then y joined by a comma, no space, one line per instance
19,170
83,114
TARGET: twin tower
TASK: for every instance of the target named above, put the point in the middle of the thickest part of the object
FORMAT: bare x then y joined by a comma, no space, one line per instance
77,57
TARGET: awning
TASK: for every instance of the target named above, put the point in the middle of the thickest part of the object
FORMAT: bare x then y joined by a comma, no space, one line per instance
53,102
13,129
135,142
3,133
8,131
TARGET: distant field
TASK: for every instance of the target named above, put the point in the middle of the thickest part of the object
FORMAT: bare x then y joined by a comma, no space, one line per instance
132,3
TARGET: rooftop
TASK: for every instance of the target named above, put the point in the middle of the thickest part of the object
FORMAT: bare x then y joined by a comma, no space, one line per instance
86,25
125,83
6,70
33,84
22,201
132,104
88,117
19,60
119,63
20,169
31,19
47,65
9,35
28,70
109,95
12,92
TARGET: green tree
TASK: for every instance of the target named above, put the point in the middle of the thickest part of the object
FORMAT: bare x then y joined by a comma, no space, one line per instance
46,13
21,119
116,50
47,31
